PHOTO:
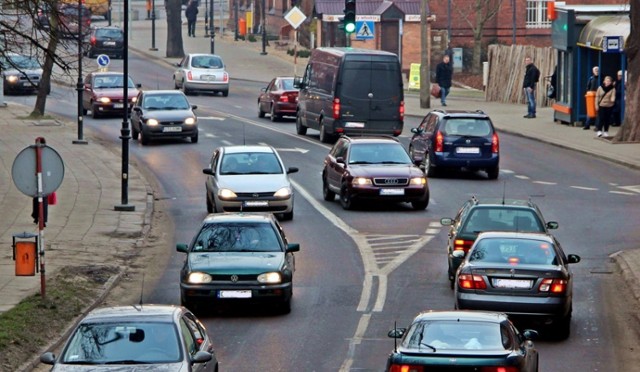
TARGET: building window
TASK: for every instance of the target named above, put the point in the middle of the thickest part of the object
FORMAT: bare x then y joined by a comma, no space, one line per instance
537,14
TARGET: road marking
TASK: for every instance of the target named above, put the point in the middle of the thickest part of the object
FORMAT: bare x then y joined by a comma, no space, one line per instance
634,188
545,183
363,324
522,177
209,135
506,171
621,192
211,118
295,149
584,188
227,143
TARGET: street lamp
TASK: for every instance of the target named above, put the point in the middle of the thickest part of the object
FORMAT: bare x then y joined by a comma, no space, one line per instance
235,17
212,30
79,85
264,28
153,26
206,18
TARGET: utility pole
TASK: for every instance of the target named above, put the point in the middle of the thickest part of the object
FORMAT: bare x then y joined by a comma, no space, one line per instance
425,56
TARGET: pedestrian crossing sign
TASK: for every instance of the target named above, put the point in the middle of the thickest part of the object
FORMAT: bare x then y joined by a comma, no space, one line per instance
365,30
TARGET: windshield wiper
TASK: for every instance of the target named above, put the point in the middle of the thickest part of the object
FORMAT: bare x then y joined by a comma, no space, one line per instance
393,162
361,162
127,361
88,362
429,346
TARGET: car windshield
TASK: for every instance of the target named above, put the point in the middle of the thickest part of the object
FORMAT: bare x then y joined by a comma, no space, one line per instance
452,335
467,127
378,153
207,62
165,102
237,237
20,62
250,163
110,82
513,251
123,342
502,219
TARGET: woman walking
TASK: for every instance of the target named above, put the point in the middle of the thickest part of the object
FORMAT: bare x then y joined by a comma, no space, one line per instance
606,99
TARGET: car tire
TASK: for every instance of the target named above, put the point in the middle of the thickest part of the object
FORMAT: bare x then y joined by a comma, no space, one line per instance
144,138
175,83
210,208
426,166
274,117
300,129
345,198
288,216
324,136
194,138
134,133
225,93
285,306
493,173
260,112
562,329
185,90
327,194
420,205
94,112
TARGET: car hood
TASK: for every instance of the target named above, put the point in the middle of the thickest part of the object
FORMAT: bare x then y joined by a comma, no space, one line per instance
37,71
169,115
115,92
254,183
236,262
165,367
385,170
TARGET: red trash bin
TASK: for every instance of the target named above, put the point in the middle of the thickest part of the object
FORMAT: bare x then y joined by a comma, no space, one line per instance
242,27
590,99
25,258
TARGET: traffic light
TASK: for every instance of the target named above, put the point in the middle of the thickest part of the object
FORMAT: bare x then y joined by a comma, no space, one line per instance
349,16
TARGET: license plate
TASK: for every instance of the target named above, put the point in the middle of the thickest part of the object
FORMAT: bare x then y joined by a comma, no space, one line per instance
172,129
512,283
467,150
256,203
118,105
110,43
234,294
208,77
391,191
351,124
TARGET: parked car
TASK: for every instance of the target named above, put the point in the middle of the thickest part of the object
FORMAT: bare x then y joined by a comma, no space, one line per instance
249,178
107,40
454,140
372,168
20,73
163,114
463,341
201,72
103,93
143,337
476,216
238,257
279,99
68,20
525,275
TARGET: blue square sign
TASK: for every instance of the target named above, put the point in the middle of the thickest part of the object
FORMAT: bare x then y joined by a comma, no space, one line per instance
365,30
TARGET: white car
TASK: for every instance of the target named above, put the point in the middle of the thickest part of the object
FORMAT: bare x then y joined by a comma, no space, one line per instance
201,73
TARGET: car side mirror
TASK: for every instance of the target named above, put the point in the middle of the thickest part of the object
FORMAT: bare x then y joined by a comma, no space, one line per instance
182,247
397,332
446,221
573,258
293,247
340,160
297,82
209,171
552,225
264,89
416,130
48,358
194,107
202,357
292,170
458,254
136,109
178,64
530,334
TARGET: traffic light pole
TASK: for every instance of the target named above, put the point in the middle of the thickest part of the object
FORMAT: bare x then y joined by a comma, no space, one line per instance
349,20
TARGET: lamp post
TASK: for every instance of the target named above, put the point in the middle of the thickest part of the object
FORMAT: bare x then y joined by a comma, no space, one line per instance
124,132
79,85
264,28
206,18
153,26
212,29
109,13
235,17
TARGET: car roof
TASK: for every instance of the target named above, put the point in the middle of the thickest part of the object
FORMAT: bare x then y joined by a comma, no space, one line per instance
247,148
163,91
371,139
203,54
516,235
462,113
504,202
239,217
475,315
158,312
105,73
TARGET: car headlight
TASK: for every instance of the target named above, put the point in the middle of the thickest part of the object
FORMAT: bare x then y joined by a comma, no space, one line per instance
190,121
226,194
134,99
270,278
104,100
419,181
198,278
283,193
361,181
12,78
152,122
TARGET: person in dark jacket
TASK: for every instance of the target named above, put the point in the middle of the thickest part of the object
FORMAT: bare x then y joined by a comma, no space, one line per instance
616,121
192,14
531,77
444,74
592,86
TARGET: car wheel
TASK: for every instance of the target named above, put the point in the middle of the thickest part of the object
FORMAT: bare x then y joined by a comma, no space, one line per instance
194,138
260,112
345,198
324,136
134,133
209,204
300,129
274,117
175,83
94,112
225,93
185,90
144,138
287,216
428,169
188,303
562,329
420,205
492,173
327,194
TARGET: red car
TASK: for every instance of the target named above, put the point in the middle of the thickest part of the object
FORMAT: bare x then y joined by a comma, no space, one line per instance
103,93
279,99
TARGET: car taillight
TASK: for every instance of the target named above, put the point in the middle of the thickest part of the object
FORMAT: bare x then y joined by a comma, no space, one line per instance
284,98
405,368
499,369
92,40
336,108
225,77
401,110
189,76
439,142
468,281
495,144
462,245
553,285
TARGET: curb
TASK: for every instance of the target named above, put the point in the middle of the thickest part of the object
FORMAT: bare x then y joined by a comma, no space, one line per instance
620,258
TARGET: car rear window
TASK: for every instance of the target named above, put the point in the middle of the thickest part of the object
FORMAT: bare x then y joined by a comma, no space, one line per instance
451,335
502,219
467,127
513,251
109,32
207,62
360,78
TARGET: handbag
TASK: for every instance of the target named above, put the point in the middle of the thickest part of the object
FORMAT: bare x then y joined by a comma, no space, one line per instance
551,91
435,90
52,199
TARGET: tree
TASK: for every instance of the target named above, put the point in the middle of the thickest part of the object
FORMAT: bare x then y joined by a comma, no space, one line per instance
630,128
482,12
175,48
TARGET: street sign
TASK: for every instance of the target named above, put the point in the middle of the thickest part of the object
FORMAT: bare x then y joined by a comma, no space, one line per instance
103,60
24,175
295,17
612,44
365,30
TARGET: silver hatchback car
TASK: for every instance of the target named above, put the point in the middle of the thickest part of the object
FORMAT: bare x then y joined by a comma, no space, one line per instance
202,73
249,178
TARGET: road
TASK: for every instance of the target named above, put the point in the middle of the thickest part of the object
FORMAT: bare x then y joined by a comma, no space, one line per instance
359,272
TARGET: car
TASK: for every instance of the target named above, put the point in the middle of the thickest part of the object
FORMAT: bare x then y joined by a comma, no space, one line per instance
279,99
67,14
456,139
163,114
107,40
372,168
203,73
103,93
476,216
136,337
238,257
20,73
525,275
249,178
463,341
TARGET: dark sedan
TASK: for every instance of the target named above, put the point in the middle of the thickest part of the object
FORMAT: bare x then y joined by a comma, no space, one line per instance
279,99
525,275
107,40
372,168
241,258
103,93
463,341
163,114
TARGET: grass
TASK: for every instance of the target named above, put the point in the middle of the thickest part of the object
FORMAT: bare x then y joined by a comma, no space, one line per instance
35,322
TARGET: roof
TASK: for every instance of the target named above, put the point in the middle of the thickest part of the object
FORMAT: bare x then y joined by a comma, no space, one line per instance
160,312
340,51
239,217
247,148
368,7
486,316
372,139
505,202
515,235
595,32
465,113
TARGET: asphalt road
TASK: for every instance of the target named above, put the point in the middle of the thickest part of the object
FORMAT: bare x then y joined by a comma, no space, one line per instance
348,293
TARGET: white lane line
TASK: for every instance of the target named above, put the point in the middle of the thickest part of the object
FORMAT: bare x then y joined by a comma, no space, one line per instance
363,324
432,231
544,182
506,171
633,188
227,143
621,193
209,135
584,188
211,118
522,177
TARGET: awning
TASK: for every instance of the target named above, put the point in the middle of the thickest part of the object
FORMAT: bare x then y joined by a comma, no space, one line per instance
594,33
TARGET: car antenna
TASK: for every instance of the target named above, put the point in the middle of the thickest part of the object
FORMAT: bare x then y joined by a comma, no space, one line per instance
395,340
244,137
141,290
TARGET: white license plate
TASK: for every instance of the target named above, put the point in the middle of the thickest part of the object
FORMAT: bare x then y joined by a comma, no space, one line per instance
208,77
391,191
467,150
511,283
110,43
256,203
234,294
351,124
118,105
172,129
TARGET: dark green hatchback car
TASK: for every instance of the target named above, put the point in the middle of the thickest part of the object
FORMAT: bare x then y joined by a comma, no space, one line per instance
238,257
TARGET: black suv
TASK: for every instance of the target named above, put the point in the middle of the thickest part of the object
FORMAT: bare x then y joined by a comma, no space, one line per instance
477,216
107,40
456,139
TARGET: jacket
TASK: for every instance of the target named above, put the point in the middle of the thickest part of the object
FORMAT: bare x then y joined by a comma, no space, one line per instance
531,76
192,11
607,99
444,73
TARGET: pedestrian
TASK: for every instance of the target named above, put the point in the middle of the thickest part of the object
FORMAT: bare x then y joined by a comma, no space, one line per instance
531,77
191,13
592,86
444,74
616,121
606,99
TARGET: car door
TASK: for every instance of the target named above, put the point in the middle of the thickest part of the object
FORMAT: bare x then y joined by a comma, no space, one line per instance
191,345
202,341
290,257
136,112
333,168
420,140
212,181
265,97
178,75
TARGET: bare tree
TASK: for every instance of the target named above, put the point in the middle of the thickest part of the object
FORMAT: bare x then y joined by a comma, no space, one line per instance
477,15
175,47
630,128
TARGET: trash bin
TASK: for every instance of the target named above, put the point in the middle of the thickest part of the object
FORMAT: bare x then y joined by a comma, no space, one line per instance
590,99
242,27
25,258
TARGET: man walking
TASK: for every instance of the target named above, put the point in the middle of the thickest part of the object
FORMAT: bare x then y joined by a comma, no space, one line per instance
192,14
444,74
531,77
